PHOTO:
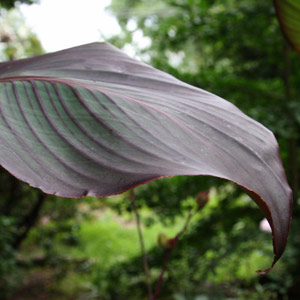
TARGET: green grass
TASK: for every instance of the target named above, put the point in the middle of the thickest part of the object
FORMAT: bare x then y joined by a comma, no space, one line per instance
110,240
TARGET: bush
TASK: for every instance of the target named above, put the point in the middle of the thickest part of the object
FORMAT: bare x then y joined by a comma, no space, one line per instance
9,273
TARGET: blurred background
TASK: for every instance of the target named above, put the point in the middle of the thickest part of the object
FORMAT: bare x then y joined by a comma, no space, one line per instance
54,248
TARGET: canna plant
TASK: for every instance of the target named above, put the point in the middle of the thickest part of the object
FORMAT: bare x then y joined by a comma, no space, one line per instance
92,121
288,13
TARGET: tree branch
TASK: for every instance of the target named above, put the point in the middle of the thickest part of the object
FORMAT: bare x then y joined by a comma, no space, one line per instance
29,220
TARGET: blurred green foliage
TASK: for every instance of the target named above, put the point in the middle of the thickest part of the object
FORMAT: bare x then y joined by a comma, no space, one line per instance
8,269
11,3
217,257
16,39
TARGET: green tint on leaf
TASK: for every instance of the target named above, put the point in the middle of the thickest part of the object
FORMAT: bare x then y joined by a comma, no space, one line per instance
92,121
288,13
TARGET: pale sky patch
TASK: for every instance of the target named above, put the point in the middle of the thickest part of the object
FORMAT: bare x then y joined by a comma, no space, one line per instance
61,24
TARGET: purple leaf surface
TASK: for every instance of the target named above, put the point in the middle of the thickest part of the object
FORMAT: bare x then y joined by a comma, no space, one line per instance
92,121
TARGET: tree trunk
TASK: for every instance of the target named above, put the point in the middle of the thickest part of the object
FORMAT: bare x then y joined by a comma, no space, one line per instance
29,220
292,163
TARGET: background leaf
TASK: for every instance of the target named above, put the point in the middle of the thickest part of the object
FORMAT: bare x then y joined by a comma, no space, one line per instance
288,13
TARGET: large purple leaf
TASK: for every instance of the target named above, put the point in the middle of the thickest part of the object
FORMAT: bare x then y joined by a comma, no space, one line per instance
288,13
92,121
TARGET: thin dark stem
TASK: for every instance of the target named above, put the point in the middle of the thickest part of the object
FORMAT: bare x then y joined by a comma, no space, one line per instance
168,252
287,71
293,140
141,239
161,276
186,225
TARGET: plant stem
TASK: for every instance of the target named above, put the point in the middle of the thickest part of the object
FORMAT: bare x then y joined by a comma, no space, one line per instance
161,276
185,227
168,252
293,140
141,239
